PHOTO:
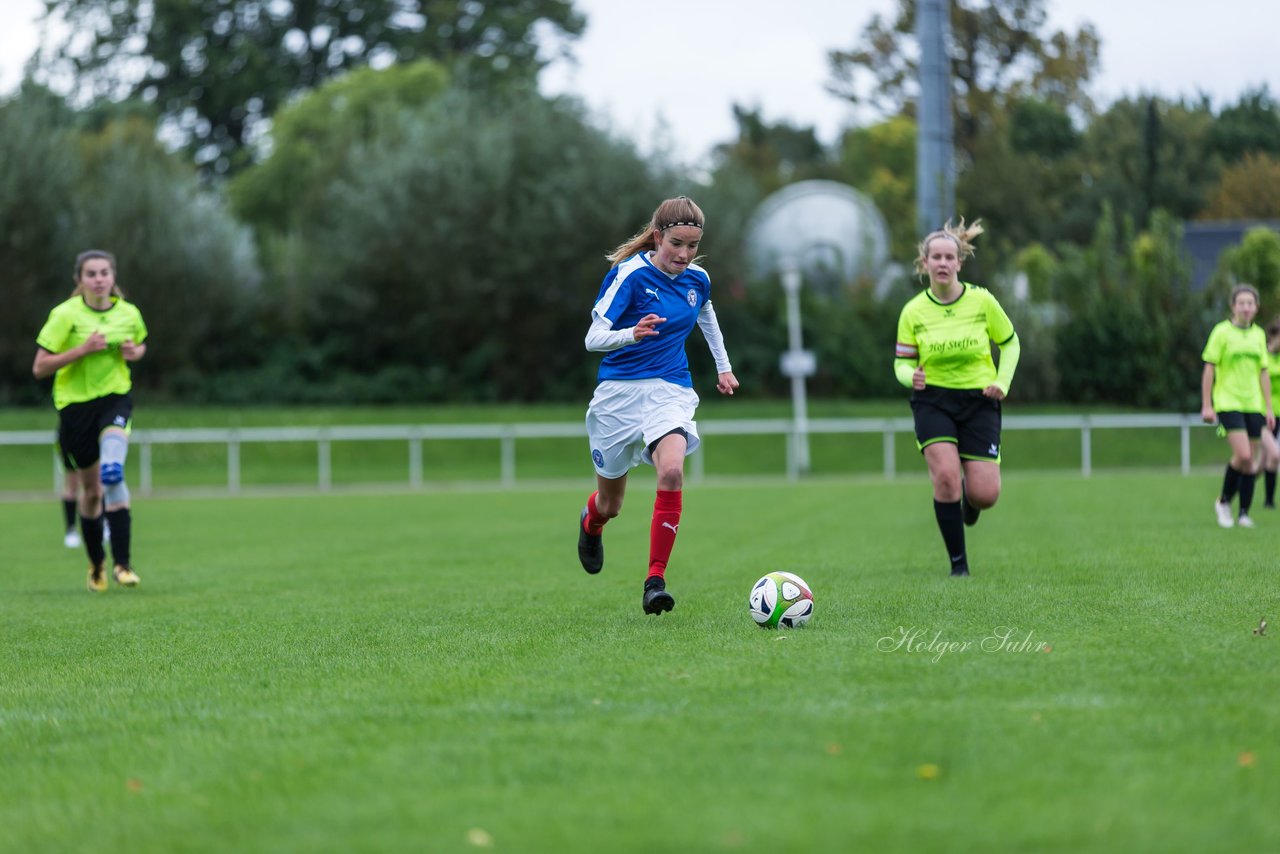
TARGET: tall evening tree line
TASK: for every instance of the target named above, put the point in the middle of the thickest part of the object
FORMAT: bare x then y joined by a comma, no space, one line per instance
340,201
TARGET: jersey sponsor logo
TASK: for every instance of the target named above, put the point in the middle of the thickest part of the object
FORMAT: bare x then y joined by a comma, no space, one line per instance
692,297
966,343
906,351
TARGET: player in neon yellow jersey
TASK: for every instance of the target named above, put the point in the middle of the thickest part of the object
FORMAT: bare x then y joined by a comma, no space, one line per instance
1235,391
944,356
86,345
1270,441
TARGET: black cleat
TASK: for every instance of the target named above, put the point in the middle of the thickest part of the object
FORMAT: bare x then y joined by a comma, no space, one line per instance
656,598
590,549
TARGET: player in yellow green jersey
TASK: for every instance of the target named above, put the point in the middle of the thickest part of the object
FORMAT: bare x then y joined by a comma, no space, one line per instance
1271,438
1235,391
86,345
944,356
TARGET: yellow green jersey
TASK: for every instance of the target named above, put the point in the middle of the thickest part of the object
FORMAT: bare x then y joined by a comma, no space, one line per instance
98,374
952,342
1273,371
1238,356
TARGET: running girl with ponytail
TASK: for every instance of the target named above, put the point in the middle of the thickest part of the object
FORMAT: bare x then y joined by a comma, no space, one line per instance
86,345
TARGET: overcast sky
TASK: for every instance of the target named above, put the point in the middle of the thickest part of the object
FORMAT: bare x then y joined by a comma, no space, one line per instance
668,73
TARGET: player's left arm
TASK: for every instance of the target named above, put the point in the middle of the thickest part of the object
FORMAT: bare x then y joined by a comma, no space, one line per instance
1266,396
1000,328
726,382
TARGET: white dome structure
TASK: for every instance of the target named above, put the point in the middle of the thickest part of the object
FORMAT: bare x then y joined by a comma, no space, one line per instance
831,232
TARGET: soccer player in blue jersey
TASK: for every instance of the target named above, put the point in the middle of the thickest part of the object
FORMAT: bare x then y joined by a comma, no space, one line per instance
86,345
943,355
644,403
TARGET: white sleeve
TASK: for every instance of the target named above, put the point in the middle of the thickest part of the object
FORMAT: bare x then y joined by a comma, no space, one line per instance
715,339
602,337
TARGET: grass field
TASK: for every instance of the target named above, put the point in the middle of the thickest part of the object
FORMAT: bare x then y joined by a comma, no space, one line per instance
432,671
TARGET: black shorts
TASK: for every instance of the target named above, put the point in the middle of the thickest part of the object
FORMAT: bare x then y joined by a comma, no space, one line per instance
962,416
1250,422
80,426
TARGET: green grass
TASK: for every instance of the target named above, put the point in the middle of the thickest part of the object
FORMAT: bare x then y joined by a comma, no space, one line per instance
432,671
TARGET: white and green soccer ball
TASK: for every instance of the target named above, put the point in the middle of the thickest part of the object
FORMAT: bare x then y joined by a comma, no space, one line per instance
780,599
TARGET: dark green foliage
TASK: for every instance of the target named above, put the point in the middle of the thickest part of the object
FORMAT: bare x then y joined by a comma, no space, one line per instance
262,53
181,258
465,241
1250,126
39,172
1134,329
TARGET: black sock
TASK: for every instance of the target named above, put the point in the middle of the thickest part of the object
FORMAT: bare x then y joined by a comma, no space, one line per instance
92,531
1230,485
1270,479
121,523
69,513
1247,482
951,524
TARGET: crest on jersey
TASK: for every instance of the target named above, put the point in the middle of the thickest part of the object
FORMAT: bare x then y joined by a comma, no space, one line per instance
692,297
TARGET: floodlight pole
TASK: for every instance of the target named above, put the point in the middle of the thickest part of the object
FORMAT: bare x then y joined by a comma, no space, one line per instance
797,363
935,155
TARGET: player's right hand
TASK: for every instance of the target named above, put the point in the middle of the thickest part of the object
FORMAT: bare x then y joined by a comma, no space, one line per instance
644,328
95,342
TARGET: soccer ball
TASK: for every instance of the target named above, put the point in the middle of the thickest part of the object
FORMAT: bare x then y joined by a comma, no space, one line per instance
780,599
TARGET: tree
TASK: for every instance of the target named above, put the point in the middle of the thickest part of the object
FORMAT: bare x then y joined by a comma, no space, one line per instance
72,181
456,253
1148,153
1256,261
1251,125
39,183
1249,189
1000,52
880,160
774,154
1030,159
218,69
182,257
312,136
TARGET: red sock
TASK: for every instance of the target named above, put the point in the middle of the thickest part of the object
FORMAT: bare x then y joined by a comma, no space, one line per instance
594,522
662,531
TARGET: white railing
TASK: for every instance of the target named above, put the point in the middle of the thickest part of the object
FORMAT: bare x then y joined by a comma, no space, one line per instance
508,434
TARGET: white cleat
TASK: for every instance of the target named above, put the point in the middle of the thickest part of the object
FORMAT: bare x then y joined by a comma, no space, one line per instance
1224,514
1244,521
72,539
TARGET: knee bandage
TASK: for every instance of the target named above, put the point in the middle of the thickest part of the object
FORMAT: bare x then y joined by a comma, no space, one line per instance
116,495
113,450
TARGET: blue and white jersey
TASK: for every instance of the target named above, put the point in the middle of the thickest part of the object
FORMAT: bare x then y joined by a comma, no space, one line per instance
634,288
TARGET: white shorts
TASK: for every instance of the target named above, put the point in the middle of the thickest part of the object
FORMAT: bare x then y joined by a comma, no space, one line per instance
626,416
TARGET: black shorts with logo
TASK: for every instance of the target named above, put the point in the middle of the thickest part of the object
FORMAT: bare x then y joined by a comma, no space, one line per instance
1250,422
80,426
962,416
